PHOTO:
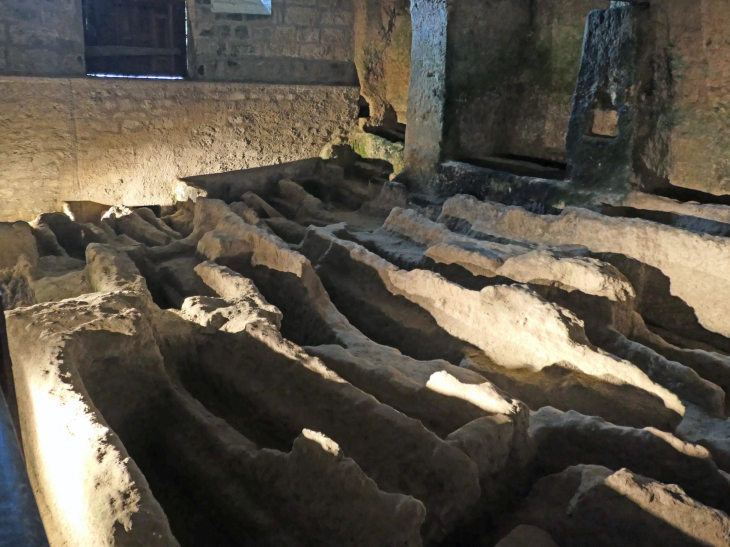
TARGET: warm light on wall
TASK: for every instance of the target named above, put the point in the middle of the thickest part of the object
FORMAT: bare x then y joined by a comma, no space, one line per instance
73,462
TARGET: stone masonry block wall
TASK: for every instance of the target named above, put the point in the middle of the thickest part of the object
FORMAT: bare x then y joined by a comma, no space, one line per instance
41,38
302,41
128,141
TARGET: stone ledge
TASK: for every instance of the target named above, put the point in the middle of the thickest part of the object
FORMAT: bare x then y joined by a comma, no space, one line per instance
279,70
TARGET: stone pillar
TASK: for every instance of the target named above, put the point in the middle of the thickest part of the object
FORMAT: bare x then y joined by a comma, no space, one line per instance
616,138
427,91
466,60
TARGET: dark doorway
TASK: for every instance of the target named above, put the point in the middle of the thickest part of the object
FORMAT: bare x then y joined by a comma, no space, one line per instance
135,37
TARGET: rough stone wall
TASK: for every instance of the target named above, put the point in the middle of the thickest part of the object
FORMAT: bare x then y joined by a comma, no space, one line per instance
383,35
513,71
696,35
41,38
542,112
485,57
522,107
302,41
128,141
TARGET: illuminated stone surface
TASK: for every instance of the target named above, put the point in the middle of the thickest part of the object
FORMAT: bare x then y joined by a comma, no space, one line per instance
213,373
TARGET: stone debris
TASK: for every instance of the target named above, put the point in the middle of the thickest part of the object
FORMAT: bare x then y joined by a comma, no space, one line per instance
312,365
148,216
263,209
298,203
181,220
133,225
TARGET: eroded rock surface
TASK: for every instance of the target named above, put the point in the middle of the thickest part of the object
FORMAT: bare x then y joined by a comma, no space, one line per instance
319,362
592,505
699,281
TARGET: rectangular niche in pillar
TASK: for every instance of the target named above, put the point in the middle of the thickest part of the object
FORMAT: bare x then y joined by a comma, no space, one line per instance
252,7
604,123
